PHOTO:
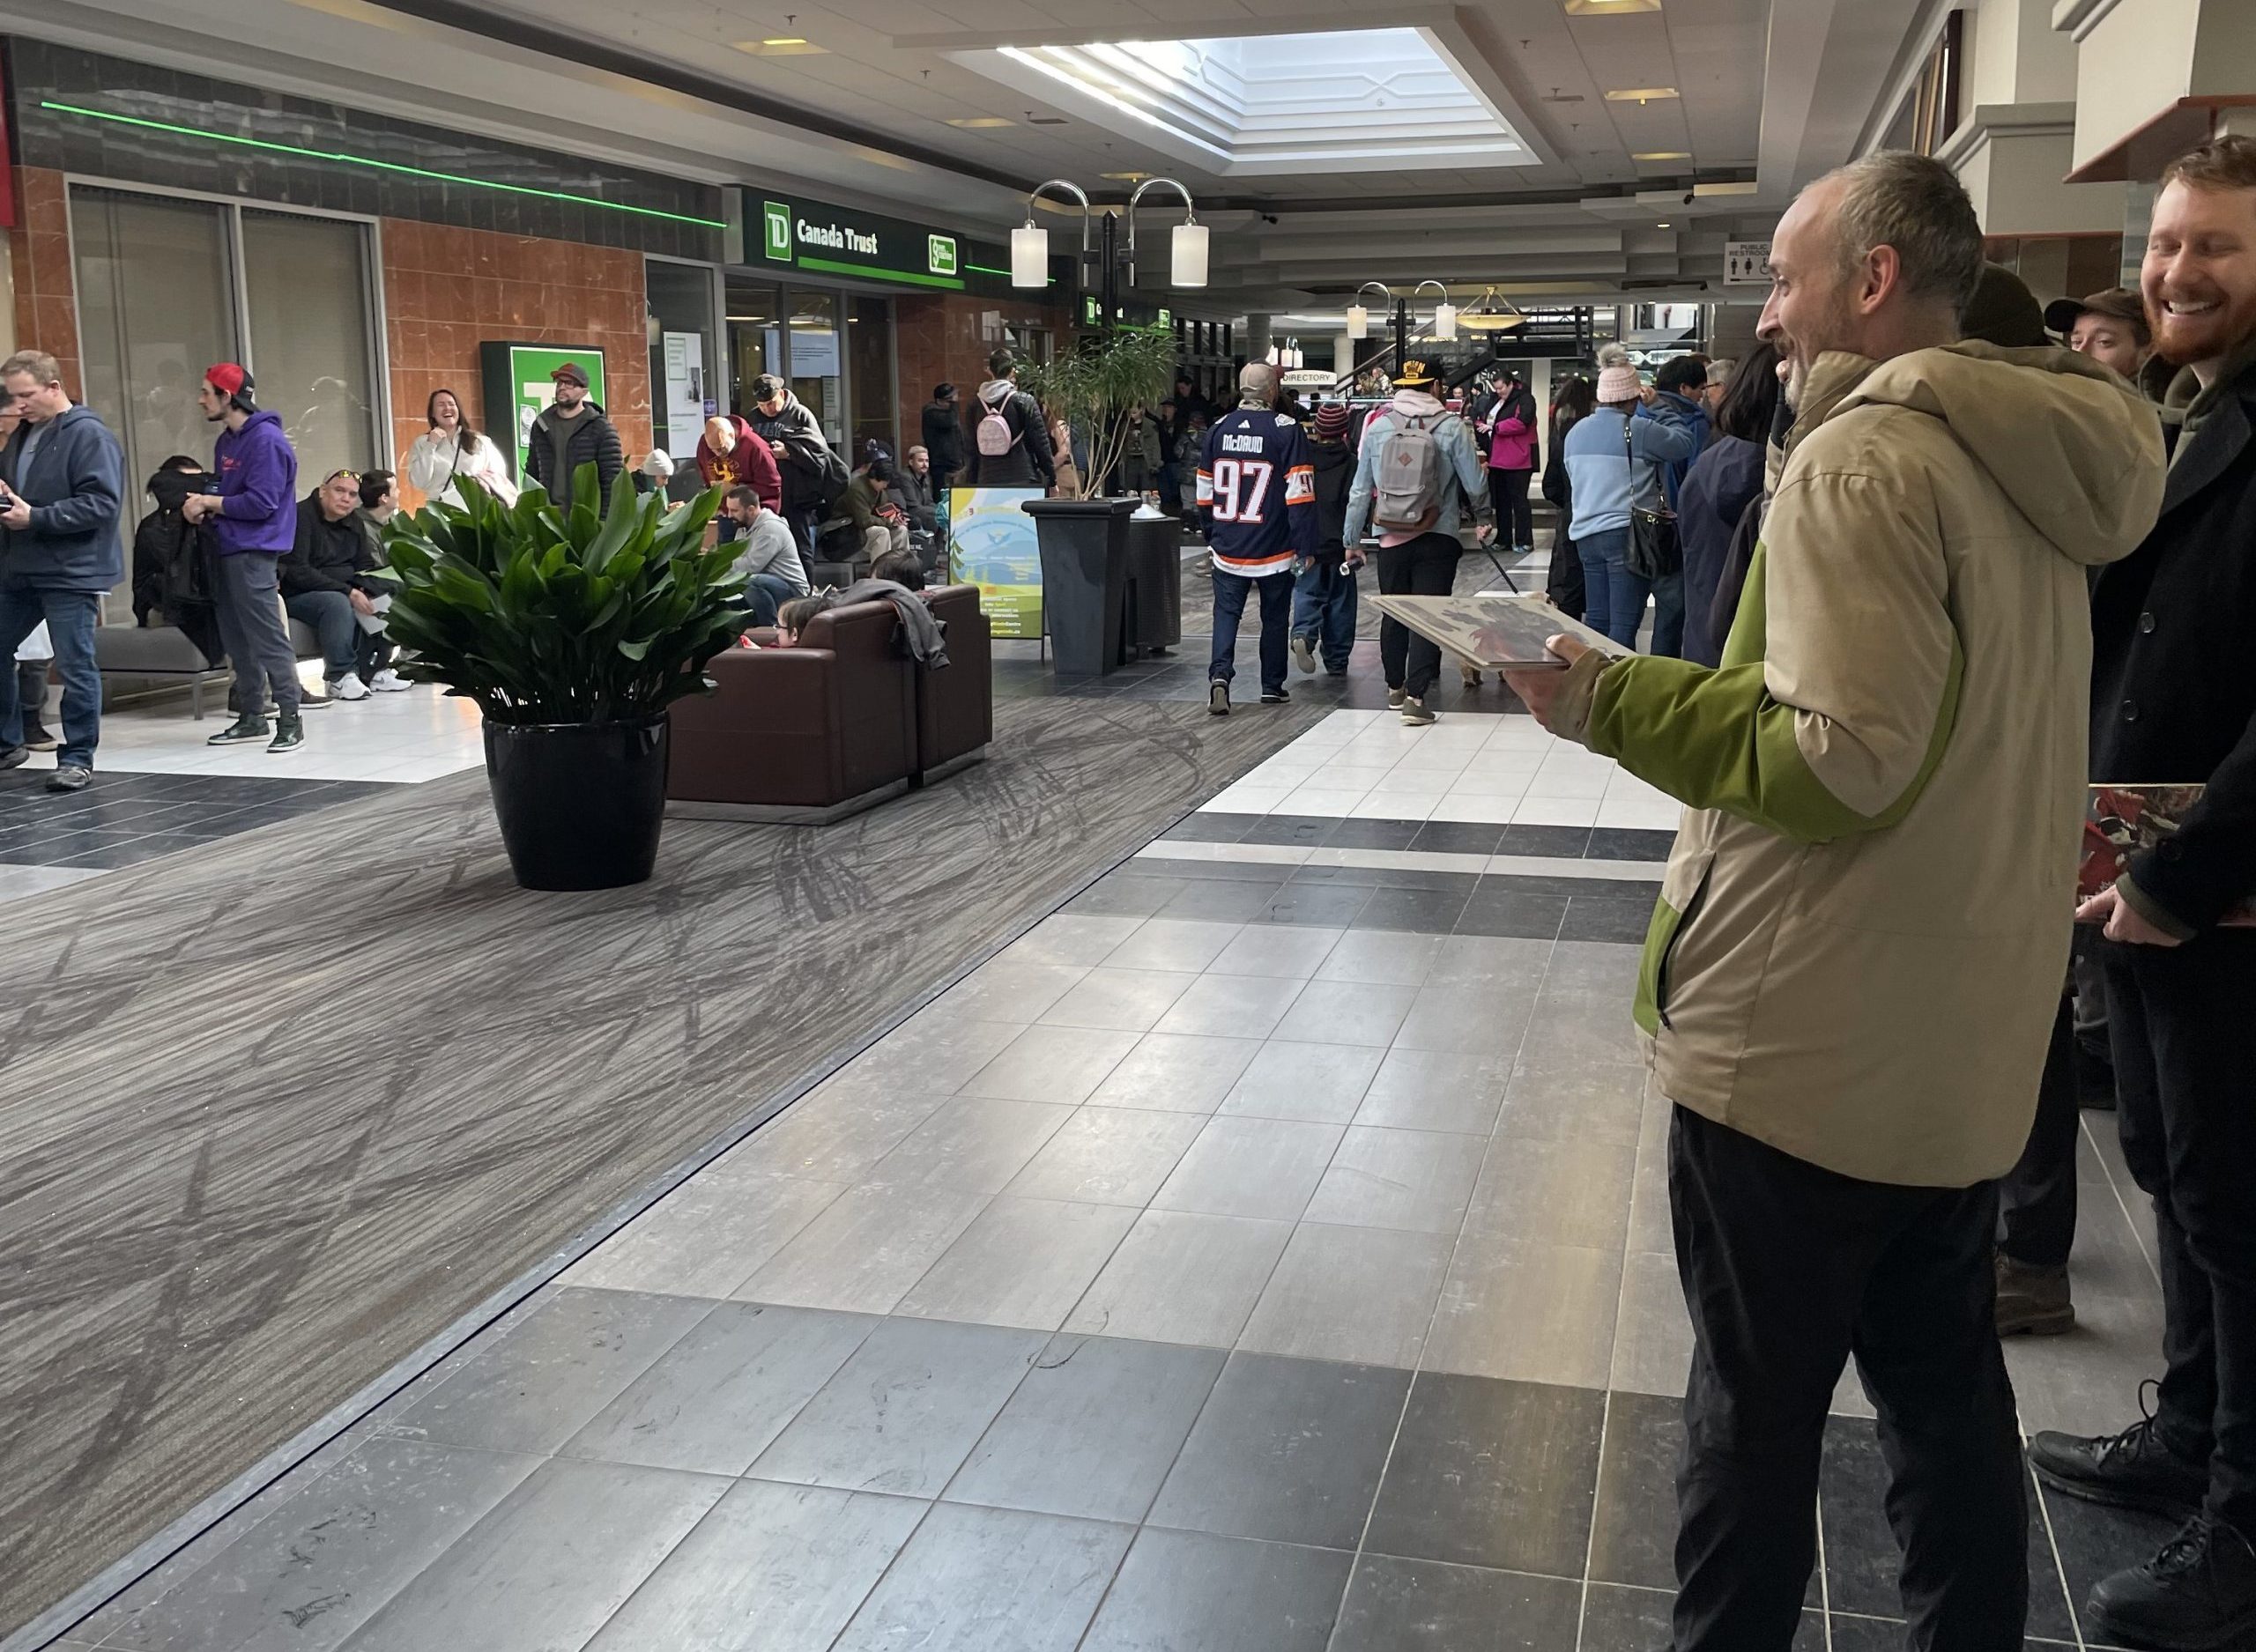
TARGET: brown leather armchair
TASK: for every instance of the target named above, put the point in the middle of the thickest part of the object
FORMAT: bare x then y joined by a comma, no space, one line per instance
955,708
802,736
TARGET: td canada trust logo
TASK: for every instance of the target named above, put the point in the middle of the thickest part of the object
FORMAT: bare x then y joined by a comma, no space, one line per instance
776,218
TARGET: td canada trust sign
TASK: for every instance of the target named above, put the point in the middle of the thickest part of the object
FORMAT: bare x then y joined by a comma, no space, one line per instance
828,240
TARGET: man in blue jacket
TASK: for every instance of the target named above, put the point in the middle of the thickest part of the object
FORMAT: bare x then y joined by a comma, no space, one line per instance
253,520
63,476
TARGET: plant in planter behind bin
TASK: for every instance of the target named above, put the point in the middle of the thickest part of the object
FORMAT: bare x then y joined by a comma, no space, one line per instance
573,628
1095,386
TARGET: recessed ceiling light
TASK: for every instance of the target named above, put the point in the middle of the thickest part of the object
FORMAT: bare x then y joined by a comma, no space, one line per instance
1124,177
981,122
786,40
1664,154
1640,94
780,46
1601,8
1660,226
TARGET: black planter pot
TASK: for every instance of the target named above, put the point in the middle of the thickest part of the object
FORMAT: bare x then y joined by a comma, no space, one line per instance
580,803
1084,579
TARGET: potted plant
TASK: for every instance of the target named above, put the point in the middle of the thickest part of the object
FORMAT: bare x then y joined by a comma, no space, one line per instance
574,629
1084,540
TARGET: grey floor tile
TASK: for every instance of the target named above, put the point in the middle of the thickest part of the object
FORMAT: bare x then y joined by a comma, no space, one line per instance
932,1055
1105,1155
1006,988
1418,1180
1416,911
1287,1449
550,1564
1398,1605
1435,1090
1465,961
1119,894
901,1414
1023,1263
1347,1012
1633,1535
1093,1430
1232,1006
1179,1277
1492,1473
1173,944
1360,1294
835,1133
1320,1083
1534,1312
718,1397
1181,1590
1475,1019
1058,1064
862,1255
1071,938
320,1565
991,1579
708,1236
1292,952
1334,906
1251,1167
1221,901
1652,1339
1124,1000
973,1142
1602,972
535,1384
1619,1619
1556,1192
1603,1103
1579,1030
1176,1072
773,1568
1381,958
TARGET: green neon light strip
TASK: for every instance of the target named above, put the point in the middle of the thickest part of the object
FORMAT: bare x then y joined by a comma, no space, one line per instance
831,266
380,166
990,269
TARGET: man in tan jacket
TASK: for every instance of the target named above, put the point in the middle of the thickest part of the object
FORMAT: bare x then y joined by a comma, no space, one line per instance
1860,937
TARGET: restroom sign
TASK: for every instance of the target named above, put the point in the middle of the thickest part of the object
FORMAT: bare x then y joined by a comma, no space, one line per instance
1747,264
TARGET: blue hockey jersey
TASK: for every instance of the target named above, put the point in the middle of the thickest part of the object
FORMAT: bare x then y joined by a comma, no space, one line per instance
1257,492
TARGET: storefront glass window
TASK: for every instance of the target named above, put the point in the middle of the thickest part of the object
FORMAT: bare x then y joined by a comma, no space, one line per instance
869,349
817,369
756,315
307,279
680,299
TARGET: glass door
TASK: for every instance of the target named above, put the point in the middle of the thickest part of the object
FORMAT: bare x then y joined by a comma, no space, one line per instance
869,355
308,281
755,317
818,367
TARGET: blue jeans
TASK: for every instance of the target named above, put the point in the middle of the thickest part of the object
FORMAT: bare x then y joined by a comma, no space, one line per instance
1324,608
1230,591
71,617
1614,598
765,593
330,615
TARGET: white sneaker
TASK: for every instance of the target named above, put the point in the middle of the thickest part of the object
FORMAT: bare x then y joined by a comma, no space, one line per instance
348,686
389,682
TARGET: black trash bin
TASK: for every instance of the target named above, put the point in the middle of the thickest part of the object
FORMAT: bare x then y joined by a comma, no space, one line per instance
1084,579
1154,582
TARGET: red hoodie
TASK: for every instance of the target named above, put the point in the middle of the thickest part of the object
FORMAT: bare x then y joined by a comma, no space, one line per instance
749,464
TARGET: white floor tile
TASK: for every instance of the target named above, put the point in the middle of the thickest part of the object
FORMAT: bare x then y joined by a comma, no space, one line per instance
1314,800
1569,811
1476,806
1246,799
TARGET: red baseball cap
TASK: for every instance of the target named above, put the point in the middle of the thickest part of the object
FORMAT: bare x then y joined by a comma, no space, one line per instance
227,378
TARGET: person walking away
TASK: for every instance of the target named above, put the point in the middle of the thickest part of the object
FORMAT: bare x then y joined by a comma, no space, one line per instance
2174,698
1324,592
941,428
1562,581
767,556
1416,474
730,454
1512,464
1010,441
1613,464
568,433
1724,481
328,582
252,510
450,453
1896,734
1678,389
813,477
61,487
1256,494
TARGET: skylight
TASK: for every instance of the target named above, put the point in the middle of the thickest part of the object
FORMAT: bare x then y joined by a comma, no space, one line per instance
1354,99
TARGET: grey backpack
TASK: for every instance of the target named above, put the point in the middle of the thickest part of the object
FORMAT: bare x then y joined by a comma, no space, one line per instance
1406,490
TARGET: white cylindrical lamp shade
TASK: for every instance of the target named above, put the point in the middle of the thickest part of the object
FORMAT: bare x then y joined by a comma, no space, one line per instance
1444,320
1359,322
1030,257
1187,256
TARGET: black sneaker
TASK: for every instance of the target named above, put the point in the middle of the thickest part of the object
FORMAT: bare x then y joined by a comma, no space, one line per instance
242,731
2198,1592
39,739
14,756
70,777
1275,697
1218,697
1304,653
2132,1470
309,699
289,735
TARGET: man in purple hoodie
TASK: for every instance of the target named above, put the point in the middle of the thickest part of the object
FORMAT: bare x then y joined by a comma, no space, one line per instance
253,515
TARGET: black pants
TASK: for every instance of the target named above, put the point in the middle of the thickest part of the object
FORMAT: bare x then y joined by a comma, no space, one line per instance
2186,1086
1788,1270
1564,585
1423,567
1515,520
2037,1201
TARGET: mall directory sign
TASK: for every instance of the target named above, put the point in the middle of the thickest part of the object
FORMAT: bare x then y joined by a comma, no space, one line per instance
516,380
792,232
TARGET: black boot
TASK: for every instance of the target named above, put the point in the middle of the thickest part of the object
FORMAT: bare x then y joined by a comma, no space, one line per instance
2135,1469
2197,1594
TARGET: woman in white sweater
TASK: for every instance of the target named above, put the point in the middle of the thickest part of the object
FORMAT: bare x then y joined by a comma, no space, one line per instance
451,450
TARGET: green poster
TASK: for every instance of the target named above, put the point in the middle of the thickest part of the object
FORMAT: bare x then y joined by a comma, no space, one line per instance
996,549
531,390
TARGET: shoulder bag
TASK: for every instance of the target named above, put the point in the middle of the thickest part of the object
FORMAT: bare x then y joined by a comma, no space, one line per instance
1655,552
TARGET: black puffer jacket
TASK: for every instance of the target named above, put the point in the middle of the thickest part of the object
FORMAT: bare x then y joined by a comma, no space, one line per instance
594,441
328,556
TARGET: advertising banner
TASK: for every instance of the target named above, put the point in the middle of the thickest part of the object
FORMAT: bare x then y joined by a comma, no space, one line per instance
995,548
517,386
